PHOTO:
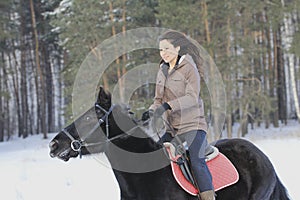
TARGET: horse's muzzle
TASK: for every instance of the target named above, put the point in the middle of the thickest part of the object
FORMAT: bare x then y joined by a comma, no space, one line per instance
53,145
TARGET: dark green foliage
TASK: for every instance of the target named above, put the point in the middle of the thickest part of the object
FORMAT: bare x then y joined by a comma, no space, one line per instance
245,39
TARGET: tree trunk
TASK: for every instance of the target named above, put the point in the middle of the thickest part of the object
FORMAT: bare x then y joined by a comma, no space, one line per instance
229,84
243,128
23,84
17,93
45,61
274,78
290,67
49,90
1,101
14,117
24,103
266,70
37,61
119,71
6,109
124,58
281,89
289,62
217,131
294,91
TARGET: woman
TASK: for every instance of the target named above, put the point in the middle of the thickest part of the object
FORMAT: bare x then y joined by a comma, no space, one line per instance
177,97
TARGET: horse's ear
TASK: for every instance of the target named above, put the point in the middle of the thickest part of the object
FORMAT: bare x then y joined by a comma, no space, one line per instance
104,96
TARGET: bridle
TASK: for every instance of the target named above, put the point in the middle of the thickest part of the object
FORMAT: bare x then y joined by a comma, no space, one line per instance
77,144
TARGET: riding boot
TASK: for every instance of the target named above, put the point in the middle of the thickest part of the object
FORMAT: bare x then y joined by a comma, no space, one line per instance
208,195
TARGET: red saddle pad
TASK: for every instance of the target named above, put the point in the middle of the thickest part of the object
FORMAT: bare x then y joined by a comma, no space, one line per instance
222,170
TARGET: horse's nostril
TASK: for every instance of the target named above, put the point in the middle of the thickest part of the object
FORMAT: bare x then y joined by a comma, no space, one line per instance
52,155
53,145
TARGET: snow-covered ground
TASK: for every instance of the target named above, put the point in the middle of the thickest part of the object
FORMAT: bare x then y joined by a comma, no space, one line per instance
28,173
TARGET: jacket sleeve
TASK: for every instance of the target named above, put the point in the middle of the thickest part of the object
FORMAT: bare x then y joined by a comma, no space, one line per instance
192,91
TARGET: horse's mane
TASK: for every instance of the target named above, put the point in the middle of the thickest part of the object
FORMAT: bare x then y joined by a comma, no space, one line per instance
124,122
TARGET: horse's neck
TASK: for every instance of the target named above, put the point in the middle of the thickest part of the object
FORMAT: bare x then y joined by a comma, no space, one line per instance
136,140
126,184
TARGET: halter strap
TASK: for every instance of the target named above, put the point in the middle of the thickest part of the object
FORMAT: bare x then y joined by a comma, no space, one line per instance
104,118
76,145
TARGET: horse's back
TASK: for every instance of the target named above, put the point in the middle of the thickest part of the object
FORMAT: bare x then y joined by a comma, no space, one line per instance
258,179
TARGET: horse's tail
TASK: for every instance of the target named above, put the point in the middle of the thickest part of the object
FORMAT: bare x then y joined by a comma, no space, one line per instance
280,192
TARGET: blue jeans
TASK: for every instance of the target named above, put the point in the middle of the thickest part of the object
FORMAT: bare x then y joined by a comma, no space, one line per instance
197,142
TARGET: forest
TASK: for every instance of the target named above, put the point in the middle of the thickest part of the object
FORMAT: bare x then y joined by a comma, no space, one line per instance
254,44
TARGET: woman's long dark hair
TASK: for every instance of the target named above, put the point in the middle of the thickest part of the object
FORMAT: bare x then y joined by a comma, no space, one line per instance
187,46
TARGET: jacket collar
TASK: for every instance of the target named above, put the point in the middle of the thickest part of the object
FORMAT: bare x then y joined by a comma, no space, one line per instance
165,66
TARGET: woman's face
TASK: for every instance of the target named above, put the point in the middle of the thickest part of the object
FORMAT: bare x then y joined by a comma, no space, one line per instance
168,52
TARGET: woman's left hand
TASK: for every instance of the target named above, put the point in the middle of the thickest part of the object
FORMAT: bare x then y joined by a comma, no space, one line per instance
157,116
161,109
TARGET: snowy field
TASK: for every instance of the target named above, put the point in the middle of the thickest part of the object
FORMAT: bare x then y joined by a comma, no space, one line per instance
28,173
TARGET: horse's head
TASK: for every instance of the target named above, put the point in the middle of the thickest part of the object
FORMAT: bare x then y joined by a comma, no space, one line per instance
85,135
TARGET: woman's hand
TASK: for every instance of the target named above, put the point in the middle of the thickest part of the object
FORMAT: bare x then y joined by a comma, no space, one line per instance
161,109
147,115
157,115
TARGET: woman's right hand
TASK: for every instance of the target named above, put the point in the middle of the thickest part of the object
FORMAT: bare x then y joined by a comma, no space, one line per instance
147,115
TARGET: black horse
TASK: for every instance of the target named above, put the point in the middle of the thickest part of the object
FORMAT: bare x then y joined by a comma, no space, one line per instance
149,177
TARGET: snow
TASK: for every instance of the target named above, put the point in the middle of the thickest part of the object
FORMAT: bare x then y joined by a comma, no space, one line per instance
28,173
63,6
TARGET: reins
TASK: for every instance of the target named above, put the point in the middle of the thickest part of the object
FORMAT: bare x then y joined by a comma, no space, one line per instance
181,147
77,144
181,150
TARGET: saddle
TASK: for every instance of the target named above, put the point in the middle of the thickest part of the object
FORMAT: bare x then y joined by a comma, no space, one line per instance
222,170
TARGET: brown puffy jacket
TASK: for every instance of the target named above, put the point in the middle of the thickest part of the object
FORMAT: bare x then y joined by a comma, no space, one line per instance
181,90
